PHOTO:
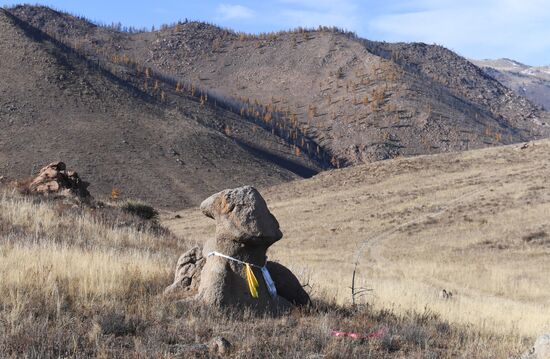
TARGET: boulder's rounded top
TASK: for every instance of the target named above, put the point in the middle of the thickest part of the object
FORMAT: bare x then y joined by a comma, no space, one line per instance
242,215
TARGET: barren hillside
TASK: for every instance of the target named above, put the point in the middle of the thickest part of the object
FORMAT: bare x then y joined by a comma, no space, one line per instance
360,100
56,105
474,223
363,100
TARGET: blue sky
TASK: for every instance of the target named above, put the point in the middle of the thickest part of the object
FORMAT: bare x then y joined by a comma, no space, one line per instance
518,29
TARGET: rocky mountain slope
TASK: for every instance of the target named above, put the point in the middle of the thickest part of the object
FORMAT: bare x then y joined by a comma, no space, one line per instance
529,81
57,105
356,99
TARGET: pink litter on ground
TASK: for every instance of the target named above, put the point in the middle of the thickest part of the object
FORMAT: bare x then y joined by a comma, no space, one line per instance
379,333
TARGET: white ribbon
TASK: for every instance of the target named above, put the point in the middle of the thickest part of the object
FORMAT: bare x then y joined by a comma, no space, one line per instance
271,288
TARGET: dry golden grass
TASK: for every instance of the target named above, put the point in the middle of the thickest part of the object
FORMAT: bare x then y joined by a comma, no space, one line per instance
475,223
77,282
46,245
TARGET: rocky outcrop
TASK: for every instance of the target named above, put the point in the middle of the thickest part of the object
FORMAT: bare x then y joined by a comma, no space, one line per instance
55,180
245,228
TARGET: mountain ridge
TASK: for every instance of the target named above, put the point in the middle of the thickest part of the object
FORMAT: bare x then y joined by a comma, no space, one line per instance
359,100
304,100
532,82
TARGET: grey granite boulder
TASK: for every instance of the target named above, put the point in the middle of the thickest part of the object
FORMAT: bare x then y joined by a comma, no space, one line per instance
245,228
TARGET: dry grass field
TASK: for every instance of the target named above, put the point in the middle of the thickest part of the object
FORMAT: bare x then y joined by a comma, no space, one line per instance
475,223
80,282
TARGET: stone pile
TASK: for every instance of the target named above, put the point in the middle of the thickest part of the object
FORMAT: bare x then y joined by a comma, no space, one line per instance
55,180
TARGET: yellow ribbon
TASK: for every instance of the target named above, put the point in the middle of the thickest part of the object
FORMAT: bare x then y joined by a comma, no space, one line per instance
252,281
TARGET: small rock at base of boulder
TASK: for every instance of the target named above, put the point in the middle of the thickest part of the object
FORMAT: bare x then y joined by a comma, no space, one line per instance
188,271
219,346
288,286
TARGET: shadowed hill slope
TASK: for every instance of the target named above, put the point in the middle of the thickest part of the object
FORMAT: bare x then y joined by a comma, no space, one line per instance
363,100
57,105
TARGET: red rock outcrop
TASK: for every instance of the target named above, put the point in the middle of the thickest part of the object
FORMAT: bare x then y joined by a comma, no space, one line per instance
55,180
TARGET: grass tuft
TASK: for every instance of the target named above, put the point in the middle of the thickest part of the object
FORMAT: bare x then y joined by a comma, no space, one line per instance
142,210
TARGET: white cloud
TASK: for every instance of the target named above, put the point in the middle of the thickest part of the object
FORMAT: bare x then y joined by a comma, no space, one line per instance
481,28
306,18
234,12
317,3
312,13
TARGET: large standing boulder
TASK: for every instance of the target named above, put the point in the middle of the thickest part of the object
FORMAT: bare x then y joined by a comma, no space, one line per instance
244,231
